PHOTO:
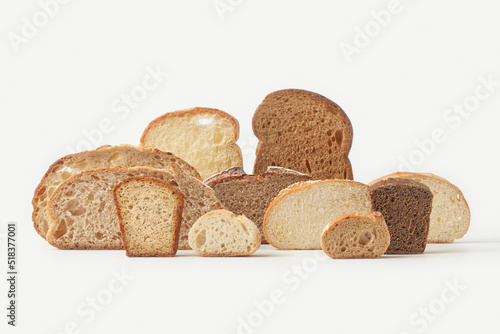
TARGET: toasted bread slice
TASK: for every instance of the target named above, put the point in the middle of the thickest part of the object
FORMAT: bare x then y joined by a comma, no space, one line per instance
406,206
222,233
149,212
84,216
356,235
303,131
204,137
450,216
106,156
250,195
298,215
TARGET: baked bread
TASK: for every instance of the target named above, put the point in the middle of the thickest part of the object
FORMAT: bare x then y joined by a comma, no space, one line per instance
250,195
450,216
84,216
298,215
303,131
149,212
406,206
222,233
356,235
204,137
106,156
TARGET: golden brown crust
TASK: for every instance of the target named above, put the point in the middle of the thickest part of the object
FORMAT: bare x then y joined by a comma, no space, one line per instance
178,213
237,173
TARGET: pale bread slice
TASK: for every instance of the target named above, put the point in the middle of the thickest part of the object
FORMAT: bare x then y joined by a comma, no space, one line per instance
83,212
204,137
105,156
450,216
222,233
298,215
150,213
355,235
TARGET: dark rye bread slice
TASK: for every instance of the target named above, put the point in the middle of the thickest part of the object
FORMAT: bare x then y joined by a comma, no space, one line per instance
303,131
250,195
406,206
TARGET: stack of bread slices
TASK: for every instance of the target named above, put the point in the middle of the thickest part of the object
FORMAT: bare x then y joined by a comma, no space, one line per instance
184,187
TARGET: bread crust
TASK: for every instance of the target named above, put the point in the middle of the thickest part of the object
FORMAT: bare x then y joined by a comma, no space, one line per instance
237,173
178,213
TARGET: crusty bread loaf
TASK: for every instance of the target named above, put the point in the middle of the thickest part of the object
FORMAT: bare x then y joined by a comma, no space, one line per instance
406,206
303,131
222,233
250,195
84,216
298,215
450,216
149,212
106,156
356,235
204,137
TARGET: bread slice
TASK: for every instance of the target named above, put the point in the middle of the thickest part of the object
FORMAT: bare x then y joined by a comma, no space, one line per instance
303,131
149,212
298,215
251,195
84,215
204,137
406,206
450,216
222,233
106,156
356,235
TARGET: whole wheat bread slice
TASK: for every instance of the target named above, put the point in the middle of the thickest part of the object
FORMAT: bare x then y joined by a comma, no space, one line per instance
297,216
83,212
106,156
355,235
303,131
250,195
204,137
222,233
150,214
450,216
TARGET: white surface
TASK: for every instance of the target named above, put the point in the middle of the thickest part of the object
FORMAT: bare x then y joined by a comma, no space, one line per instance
396,91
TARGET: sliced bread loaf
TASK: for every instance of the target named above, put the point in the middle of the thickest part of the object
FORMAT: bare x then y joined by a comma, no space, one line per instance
298,215
406,206
303,131
250,195
222,233
84,216
356,235
149,211
204,137
450,216
106,156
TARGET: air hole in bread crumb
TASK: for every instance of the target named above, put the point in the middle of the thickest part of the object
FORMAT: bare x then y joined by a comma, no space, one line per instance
365,238
115,156
308,166
201,238
61,229
99,236
343,249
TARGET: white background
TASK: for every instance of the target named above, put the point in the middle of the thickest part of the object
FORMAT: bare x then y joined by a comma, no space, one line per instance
63,81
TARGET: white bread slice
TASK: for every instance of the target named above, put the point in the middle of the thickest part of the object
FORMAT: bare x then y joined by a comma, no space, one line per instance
355,235
204,137
222,233
450,215
149,211
105,156
84,216
298,215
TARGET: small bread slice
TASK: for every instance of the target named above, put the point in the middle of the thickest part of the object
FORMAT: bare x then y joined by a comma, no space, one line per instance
250,195
83,212
303,131
105,156
406,206
298,215
355,235
149,211
204,137
450,216
222,233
